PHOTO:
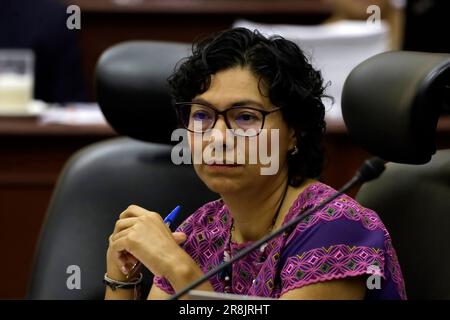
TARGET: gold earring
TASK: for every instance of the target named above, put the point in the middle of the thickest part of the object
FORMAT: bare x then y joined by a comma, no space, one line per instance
295,151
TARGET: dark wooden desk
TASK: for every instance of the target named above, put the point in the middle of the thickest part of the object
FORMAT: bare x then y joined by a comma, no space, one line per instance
32,156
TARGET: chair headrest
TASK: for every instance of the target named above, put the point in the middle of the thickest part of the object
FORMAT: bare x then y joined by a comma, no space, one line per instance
391,104
132,91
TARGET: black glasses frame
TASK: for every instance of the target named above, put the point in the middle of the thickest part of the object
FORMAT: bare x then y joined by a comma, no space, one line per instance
223,113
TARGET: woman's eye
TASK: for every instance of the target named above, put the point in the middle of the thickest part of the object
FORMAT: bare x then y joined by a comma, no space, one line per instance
246,117
200,115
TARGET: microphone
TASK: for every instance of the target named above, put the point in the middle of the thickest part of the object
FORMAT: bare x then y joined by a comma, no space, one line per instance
369,170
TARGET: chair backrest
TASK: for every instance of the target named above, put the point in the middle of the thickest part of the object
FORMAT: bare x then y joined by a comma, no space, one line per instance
102,180
391,105
97,184
132,89
414,204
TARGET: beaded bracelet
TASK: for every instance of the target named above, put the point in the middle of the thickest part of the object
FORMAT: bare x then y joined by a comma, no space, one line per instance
114,284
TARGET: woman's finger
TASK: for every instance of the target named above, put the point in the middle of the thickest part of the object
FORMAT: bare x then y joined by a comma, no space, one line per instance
121,234
121,244
133,211
179,237
123,224
126,262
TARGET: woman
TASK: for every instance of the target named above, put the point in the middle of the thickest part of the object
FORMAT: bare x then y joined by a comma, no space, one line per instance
239,79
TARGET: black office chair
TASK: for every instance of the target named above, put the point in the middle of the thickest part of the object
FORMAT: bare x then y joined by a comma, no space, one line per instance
101,180
391,104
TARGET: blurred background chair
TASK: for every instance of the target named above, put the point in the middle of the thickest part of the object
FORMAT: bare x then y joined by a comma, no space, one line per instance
391,104
101,180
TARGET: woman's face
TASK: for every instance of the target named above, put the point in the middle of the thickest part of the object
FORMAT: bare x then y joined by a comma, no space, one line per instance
228,88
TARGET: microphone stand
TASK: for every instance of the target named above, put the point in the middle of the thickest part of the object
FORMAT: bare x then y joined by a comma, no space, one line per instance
371,169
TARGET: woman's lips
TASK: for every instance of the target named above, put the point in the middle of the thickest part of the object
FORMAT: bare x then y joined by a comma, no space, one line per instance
223,165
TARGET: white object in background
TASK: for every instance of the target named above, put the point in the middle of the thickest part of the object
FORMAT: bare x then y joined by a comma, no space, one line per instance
16,81
74,114
334,48
34,108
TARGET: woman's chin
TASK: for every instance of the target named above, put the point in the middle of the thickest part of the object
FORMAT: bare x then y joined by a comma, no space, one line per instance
222,185
221,180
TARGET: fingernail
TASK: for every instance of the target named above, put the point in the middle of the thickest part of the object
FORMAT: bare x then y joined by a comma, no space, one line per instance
124,270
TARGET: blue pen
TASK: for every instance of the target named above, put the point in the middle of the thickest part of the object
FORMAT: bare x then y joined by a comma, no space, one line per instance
171,216
168,220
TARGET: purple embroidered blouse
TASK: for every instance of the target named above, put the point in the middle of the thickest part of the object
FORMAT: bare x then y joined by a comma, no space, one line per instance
341,240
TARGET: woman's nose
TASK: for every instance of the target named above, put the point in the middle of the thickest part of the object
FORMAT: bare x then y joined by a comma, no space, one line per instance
220,132
221,124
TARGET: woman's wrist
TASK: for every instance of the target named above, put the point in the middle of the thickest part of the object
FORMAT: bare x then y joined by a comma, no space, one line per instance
114,284
116,274
180,264
184,271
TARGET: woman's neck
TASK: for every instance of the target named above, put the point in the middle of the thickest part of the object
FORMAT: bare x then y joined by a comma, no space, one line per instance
253,214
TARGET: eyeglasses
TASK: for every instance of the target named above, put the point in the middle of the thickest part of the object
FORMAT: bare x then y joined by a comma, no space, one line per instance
199,118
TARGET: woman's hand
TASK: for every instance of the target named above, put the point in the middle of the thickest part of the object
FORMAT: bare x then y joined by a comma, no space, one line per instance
141,235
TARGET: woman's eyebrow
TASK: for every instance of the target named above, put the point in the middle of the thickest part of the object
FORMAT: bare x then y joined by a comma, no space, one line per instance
241,103
201,101
247,102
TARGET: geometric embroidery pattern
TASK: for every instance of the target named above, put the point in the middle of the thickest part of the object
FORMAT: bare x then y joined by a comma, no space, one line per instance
334,262
207,232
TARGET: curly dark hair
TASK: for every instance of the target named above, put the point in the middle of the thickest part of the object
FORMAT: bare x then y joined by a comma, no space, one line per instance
292,83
